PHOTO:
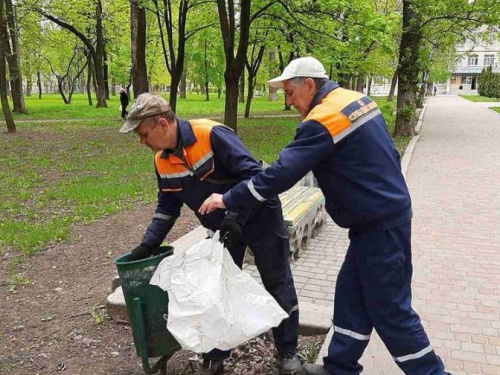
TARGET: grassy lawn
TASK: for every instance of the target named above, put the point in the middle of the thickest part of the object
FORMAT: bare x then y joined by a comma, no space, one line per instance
478,98
51,106
55,174
496,109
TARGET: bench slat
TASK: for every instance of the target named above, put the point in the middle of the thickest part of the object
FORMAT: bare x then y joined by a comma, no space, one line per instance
298,201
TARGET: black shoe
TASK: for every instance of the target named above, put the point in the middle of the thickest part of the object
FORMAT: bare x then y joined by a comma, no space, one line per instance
290,364
211,368
311,369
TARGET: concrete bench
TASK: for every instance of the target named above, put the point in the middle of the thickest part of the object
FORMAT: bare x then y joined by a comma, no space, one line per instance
304,213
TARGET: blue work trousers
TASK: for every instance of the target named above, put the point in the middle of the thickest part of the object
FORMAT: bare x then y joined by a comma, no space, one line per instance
374,291
268,238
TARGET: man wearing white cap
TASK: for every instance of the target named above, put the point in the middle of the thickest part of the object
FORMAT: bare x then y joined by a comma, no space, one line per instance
344,140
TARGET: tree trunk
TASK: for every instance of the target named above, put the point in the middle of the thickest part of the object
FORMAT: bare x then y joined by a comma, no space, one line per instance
89,79
369,88
39,84
113,84
282,67
394,80
234,64
105,72
344,80
360,80
207,95
99,58
423,89
231,103
81,84
273,92
241,94
175,79
60,88
174,89
219,92
14,60
138,45
409,68
7,114
182,86
251,84
138,39
29,85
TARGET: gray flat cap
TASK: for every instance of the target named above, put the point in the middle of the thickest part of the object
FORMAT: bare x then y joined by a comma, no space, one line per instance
145,105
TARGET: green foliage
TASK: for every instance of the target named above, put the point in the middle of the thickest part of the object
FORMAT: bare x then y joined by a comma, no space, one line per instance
489,83
407,111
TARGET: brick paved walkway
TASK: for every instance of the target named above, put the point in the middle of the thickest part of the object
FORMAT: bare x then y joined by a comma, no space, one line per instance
454,180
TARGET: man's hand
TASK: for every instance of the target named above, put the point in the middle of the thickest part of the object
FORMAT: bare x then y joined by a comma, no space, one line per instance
212,203
141,252
230,229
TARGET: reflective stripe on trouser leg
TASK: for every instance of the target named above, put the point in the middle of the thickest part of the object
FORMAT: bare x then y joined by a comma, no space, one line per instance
352,327
354,335
385,269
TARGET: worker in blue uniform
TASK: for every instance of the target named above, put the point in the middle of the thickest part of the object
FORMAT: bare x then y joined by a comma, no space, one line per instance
194,159
344,140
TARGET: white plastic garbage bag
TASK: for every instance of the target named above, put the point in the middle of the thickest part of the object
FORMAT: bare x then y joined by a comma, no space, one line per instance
212,303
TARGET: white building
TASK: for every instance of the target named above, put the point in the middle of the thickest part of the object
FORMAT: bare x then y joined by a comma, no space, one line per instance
472,57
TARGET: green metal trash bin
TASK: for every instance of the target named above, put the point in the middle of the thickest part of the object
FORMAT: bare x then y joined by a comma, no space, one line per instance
147,307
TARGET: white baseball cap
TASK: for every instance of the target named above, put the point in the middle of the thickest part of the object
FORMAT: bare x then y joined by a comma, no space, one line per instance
301,67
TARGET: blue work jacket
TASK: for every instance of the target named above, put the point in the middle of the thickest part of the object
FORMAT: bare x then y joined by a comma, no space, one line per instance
211,159
345,142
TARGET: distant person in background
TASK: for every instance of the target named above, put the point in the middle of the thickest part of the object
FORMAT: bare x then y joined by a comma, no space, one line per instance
124,102
435,90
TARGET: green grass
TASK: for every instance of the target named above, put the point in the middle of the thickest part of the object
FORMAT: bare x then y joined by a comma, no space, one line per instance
478,98
58,173
496,109
51,106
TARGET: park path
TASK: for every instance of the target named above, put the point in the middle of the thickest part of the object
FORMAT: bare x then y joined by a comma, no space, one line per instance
454,180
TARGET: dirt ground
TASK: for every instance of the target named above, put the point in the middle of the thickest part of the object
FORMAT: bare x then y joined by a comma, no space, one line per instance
57,323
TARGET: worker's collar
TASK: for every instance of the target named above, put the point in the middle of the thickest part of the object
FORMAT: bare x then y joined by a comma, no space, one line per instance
322,92
185,137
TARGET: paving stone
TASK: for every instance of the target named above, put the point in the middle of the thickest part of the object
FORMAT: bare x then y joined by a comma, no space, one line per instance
453,177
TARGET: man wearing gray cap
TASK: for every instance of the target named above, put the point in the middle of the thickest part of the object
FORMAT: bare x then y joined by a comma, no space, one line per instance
194,159
344,140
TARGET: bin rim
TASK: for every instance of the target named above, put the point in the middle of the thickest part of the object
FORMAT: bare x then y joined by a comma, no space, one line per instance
166,249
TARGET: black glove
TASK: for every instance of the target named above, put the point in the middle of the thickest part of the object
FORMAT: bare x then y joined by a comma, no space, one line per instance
141,252
230,229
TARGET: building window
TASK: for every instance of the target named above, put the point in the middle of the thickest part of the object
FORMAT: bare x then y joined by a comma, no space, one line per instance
472,60
489,60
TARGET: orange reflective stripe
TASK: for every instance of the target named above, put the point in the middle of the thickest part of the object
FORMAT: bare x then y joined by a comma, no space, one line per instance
199,155
335,122
167,169
329,111
167,190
